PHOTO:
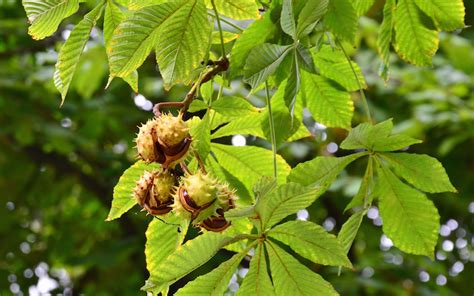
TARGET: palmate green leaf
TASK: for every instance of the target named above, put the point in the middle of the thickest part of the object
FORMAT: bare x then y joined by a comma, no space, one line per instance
310,15
112,18
376,138
139,4
257,281
422,171
214,283
182,42
321,171
416,42
236,9
263,60
246,125
46,15
362,6
287,199
447,14
409,218
334,65
185,259
201,135
349,230
341,19
287,19
385,36
329,104
72,50
249,163
162,239
312,242
234,106
135,37
257,33
290,277
123,192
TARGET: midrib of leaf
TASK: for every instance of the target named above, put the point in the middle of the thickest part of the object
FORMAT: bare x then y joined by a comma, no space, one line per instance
150,36
286,269
270,215
411,222
323,96
412,25
181,38
260,254
49,9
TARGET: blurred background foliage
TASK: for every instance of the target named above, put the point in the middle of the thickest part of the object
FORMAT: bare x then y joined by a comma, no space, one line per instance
58,167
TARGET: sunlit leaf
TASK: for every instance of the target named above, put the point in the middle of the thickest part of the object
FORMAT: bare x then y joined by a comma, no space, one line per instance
312,242
290,277
422,171
410,219
46,15
72,50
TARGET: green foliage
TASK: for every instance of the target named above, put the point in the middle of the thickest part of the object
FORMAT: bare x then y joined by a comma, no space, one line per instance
297,48
312,242
422,171
216,281
163,237
185,33
326,101
46,15
257,281
341,19
285,200
263,61
72,50
185,259
321,171
236,9
292,277
410,219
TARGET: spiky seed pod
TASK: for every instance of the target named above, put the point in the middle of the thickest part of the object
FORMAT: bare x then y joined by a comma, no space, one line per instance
200,196
171,130
147,147
154,191
202,188
142,188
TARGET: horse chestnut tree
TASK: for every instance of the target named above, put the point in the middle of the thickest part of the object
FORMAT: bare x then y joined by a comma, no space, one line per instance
293,55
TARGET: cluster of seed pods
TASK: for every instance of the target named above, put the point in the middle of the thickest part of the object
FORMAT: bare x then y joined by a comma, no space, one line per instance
197,197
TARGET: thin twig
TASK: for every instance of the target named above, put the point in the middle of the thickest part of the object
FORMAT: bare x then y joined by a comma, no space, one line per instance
272,129
361,90
219,27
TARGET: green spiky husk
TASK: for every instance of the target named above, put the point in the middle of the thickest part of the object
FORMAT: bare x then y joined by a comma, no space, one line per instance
145,142
171,130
